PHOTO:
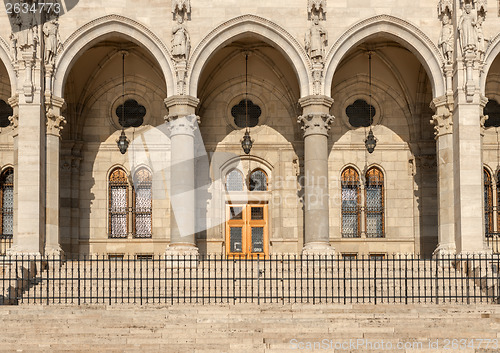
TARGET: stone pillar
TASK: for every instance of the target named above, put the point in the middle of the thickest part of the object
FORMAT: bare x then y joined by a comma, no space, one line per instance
182,123
55,123
14,121
467,153
30,178
315,123
442,121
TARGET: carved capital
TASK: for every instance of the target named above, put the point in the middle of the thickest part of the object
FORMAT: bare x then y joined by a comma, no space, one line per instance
14,121
443,124
55,123
182,125
315,124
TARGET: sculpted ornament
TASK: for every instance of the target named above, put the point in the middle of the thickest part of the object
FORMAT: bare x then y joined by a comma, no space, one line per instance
181,8
467,28
446,38
52,41
55,123
317,7
25,35
315,124
316,41
180,41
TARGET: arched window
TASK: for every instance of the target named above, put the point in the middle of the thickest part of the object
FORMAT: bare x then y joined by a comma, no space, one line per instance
488,202
118,204
7,200
374,203
142,203
351,212
234,181
258,181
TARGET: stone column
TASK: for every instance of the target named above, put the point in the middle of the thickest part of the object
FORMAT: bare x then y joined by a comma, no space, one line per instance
442,121
315,123
182,123
55,123
14,122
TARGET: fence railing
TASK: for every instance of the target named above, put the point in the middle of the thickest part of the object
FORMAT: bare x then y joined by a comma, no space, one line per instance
275,279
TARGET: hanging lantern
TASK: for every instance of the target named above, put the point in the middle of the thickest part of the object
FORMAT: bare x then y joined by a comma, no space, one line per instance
370,142
246,143
123,142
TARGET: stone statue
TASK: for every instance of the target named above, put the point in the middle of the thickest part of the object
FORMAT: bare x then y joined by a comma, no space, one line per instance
481,45
51,39
13,46
446,39
180,41
26,34
316,41
467,29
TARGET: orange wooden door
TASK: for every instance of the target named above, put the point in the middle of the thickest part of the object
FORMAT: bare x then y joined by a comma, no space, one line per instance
247,230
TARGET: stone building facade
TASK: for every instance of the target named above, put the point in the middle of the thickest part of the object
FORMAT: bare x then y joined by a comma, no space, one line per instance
308,79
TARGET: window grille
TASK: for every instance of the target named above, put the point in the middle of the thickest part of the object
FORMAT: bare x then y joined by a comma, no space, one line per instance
143,204
118,204
350,203
374,210
258,181
234,181
488,202
7,200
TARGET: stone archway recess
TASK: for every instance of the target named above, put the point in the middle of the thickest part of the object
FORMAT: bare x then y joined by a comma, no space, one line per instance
95,31
402,32
238,27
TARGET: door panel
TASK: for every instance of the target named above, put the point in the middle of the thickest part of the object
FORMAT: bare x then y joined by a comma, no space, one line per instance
247,230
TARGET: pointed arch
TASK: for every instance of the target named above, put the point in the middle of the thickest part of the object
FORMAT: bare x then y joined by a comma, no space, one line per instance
101,28
491,54
266,30
402,32
6,59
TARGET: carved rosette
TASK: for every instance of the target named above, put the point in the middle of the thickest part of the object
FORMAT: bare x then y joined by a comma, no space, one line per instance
182,125
55,123
315,124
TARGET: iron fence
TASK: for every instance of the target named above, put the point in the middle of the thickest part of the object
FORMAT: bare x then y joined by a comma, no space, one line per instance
274,279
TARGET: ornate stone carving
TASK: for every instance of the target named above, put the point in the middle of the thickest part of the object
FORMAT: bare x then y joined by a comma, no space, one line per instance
182,125
14,121
442,124
13,47
25,33
426,161
467,29
55,123
481,41
181,8
315,124
446,38
316,41
316,8
317,74
52,41
181,44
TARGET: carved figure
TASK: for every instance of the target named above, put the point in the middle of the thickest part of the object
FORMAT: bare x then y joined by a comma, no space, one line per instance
467,29
181,8
180,41
446,39
481,45
317,7
27,37
13,46
316,41
51,39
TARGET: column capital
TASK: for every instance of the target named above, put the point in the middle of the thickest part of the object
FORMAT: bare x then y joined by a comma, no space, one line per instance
55,123
315,124
14,118
442,120
182,124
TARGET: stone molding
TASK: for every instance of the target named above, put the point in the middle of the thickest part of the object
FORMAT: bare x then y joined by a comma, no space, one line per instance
316,100
186,100
315,124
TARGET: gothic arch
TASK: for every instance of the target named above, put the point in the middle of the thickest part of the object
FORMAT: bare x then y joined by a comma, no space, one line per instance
491,54
237,27
6,59
95,31
401,32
